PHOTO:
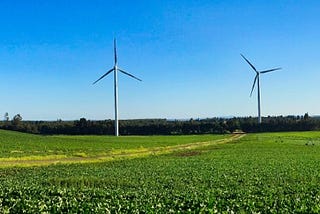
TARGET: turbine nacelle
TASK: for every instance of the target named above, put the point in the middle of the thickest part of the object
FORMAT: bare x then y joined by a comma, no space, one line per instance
115,67
257,72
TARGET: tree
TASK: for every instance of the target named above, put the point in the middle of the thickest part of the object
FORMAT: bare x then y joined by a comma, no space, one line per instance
16,119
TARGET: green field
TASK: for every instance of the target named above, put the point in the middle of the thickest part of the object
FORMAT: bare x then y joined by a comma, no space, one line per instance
24,150
15,144
266,173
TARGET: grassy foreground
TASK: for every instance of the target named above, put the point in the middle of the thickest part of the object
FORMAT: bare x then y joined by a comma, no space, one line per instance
266,173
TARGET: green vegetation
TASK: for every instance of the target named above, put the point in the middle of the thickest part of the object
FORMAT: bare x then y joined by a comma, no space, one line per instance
15,144
266,173
165,127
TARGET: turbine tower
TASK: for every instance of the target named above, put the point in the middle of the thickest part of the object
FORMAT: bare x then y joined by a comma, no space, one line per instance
115,70
257,79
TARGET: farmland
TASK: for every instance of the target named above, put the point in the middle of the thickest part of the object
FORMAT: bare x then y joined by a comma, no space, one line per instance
268,173
18,149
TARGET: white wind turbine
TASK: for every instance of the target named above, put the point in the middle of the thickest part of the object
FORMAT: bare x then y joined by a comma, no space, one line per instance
115,70
257,78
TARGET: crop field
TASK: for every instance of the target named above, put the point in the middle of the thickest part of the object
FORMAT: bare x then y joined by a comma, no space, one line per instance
252,173
19,149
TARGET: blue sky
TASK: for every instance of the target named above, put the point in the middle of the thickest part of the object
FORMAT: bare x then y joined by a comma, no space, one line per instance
186,52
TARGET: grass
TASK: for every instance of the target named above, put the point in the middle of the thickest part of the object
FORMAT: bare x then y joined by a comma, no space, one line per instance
131,148
259,173
15,144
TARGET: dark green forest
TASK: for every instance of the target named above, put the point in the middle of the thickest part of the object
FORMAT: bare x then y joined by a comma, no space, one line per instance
164,126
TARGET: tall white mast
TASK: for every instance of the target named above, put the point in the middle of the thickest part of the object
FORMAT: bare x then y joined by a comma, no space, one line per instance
116,119
259,100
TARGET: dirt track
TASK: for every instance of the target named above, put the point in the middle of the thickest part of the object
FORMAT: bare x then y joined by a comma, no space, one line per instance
116,156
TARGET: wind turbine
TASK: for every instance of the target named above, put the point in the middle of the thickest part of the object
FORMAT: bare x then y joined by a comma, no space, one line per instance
257,78
115,70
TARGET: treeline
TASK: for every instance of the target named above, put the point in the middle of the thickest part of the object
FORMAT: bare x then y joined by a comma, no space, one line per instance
164,126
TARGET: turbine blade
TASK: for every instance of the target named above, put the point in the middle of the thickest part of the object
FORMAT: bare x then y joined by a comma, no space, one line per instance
103,76
254,83
266,71
249,63
115,51
129,74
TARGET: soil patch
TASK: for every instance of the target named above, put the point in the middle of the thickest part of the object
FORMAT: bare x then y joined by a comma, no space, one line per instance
188,153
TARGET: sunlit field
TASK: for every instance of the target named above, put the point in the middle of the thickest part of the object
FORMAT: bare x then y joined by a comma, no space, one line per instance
266,173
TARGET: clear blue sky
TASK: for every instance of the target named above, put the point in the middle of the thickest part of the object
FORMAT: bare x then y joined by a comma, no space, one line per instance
186,52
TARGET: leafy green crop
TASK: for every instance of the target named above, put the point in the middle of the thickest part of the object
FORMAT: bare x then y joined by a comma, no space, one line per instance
260,173
15,144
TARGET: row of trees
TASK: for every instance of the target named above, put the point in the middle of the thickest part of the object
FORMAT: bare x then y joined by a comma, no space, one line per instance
163,126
